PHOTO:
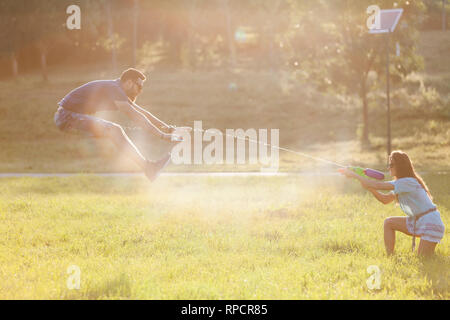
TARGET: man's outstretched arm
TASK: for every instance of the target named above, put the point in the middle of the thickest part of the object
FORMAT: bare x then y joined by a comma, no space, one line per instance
139,117
154,120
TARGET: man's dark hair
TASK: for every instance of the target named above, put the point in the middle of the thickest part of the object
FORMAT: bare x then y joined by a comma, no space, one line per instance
131,74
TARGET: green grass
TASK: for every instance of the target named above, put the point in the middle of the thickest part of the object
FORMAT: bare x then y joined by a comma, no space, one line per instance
312,122
209,238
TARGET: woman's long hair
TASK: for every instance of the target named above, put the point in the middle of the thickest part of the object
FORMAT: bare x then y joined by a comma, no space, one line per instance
404,168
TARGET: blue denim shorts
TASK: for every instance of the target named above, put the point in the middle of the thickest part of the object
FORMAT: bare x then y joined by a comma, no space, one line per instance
77,123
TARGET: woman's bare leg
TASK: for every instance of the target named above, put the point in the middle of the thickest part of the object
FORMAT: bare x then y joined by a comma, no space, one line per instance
391,225
426,248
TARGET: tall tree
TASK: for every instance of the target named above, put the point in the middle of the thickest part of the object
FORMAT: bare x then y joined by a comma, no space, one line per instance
11,30
341,52
135,29
111,35
230,33
43,22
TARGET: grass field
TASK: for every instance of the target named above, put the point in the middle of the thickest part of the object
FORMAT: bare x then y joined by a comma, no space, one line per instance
209,238
290,237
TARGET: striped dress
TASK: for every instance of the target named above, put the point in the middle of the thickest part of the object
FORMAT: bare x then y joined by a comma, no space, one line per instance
413,200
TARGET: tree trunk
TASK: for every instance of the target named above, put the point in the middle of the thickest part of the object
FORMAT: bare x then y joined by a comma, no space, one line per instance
231,45
363,95
43,53
111,36
191,59
272,13
135,30
444,23
14,65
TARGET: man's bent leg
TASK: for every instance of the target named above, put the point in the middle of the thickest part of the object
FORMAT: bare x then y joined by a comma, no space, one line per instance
90,126
155,168
125,145
119,137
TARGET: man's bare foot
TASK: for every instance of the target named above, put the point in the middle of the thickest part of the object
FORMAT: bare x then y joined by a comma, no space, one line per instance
154,168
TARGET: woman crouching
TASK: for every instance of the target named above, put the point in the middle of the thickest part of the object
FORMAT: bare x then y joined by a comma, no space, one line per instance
410,191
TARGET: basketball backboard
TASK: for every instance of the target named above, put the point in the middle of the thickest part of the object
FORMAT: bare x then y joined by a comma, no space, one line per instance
388,20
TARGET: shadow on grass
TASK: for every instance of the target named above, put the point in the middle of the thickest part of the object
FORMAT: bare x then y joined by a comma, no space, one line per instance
116,288
436,268
71,185
281,213
342,247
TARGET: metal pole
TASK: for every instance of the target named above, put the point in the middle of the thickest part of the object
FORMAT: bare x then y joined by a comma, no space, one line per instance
231,45
444,23
111,37
388,97
135,29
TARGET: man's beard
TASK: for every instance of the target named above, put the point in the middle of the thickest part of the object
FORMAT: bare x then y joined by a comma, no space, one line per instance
132,97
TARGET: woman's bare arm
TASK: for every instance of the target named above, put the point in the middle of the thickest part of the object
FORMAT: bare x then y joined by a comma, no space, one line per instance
382,197
367,183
